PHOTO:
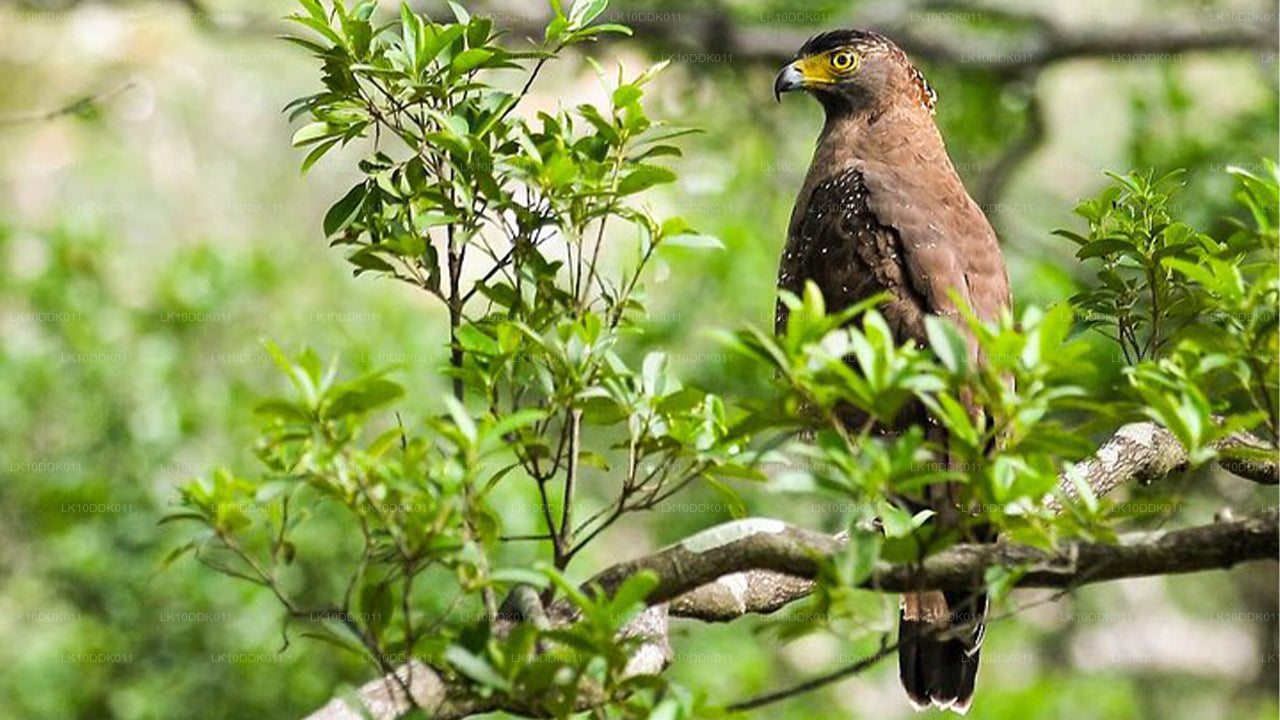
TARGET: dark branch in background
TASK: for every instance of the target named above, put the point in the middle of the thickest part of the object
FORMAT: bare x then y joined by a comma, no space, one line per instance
78,106
774,46
758,566
993,181
1053,44
716,32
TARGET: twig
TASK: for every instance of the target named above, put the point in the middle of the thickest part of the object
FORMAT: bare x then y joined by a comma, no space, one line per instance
809,685
72,108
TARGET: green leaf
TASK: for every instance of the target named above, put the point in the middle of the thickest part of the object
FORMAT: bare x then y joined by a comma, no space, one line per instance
947,343
737,508
515,421
643,178
694,241
461,418
475,667
313,132
321,26
376,605
173,555
314,8
681,401
515,575
281,409
555,30
900,523
367,259
460,13
603,29
653,373
858,558
1192,270
1105,246
175,517
363,396
1074,237
626,94
317,153
668,709
630,596
344,211
478,31
584,11
603,127
410,29
468,60
316,48
1000,580
434,46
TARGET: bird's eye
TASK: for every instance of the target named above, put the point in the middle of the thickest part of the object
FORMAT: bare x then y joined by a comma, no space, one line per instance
843,61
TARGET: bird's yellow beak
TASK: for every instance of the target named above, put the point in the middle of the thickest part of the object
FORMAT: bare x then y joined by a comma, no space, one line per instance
803,74
790,78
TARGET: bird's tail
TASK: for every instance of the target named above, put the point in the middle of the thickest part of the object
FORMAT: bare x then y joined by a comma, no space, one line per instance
939,638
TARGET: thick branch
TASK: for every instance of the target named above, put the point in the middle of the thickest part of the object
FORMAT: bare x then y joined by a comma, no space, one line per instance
1138,452
447,699
383,699
747,545
1145,452
758,566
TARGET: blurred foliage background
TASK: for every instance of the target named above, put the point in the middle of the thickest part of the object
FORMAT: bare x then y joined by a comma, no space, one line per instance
154,228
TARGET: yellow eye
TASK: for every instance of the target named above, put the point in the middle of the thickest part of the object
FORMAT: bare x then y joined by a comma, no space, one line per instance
844,61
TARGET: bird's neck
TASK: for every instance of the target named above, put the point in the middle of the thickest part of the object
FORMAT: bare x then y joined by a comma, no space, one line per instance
901,133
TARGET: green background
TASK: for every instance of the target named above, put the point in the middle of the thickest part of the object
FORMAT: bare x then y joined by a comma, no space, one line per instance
151,240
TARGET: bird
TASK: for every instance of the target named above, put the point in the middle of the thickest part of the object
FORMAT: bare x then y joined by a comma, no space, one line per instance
883,210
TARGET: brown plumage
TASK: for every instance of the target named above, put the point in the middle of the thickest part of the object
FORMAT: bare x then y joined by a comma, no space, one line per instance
883,210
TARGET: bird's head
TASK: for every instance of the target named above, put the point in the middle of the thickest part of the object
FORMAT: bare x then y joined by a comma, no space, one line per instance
854,69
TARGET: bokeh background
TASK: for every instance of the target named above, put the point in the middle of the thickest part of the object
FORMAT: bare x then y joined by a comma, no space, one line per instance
154,228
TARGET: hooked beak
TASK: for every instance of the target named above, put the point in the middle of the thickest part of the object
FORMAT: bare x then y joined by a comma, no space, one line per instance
789,79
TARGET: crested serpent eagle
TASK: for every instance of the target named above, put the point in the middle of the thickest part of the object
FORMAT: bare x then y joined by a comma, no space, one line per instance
882,210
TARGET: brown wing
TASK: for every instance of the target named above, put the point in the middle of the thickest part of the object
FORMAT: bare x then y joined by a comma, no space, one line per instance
948,245
839,243
841,240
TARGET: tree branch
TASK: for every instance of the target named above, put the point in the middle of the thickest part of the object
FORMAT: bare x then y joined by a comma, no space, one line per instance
715,33
447,699
1145,452
773,545
1138,452
78,106
759,565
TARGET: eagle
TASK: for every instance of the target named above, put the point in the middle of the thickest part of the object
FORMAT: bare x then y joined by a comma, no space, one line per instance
882,210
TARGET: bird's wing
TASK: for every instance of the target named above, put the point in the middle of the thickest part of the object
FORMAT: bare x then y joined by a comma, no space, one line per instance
838,242
854,237
947,242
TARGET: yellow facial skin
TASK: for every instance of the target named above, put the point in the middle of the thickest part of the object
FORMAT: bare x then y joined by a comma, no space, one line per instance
829,67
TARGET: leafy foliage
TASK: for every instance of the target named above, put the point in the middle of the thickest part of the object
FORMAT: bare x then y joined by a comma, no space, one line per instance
1193,315
505,221
508,221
